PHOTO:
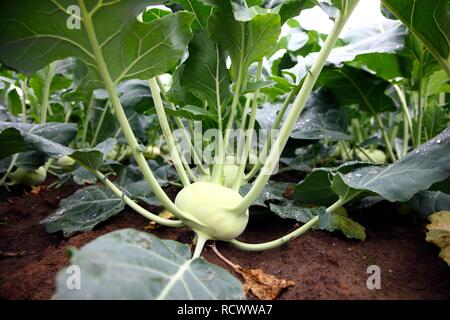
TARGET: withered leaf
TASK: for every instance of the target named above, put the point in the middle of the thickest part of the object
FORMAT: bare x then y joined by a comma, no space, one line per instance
439,233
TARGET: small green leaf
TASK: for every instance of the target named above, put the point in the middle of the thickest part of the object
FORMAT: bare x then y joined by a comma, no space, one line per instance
332,222
83,210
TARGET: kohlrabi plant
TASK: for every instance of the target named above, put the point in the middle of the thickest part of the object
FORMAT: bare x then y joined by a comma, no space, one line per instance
127,70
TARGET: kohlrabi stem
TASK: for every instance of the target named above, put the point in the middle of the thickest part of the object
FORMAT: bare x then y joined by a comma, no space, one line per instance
181,126
10,167
223,146
167,132
46,92
297,108
385,136
407,122
23,101
136,207
87,117
99,125
275,125
249,133
218,101
201,240
121,117
294,234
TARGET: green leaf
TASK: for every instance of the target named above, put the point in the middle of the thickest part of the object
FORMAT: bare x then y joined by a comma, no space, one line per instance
272,191
93,158
246,42
155,269
11,142
428,20
179,95
429,202
353,86
154,14
188,112
415,172
332,222
83,210
201,12
435,120
290,210
38,30
205,73
322,119
49,139
317,189
14,102
384,37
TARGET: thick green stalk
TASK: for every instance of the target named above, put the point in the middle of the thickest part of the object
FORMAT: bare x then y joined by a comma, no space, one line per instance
297,108
136,207
46,92
100,124
86,119
223,146
407,122
294,234
167,132
249,133
385,136
201,240
181,126
275,125
121,117
10,167
23,101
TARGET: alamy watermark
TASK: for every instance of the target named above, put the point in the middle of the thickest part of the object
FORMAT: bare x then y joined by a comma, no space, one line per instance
374,280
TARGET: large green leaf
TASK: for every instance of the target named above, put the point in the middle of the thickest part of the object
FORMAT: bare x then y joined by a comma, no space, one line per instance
154,269
205,73
49,139
131,49
429,21
387,36
245,41
353,86
83,211
417,171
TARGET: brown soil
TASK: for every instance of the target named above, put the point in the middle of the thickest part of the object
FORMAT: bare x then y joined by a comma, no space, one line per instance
323,265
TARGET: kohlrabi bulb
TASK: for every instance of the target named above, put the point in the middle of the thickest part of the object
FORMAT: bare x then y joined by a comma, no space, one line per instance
66,163
28,178
211,204
230,174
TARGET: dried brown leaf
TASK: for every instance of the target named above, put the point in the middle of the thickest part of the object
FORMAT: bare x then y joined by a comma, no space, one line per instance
152,225
263,286
439,233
